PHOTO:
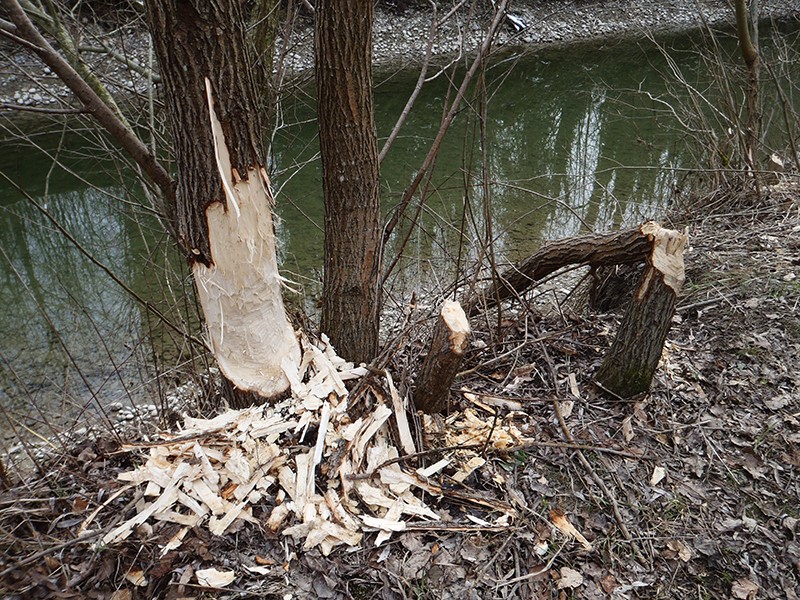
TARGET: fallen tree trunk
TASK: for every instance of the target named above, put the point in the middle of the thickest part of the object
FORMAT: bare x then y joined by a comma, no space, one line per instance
448,344
622,247
632,360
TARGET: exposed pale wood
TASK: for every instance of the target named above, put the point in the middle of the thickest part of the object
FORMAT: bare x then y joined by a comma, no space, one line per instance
403,428
632,360
240,291
449,342
621,247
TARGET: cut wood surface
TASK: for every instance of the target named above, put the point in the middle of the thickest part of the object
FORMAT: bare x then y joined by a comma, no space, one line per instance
449,342
632,360
621,247
240,292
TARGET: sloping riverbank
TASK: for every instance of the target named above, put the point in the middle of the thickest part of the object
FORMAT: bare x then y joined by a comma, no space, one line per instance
690,491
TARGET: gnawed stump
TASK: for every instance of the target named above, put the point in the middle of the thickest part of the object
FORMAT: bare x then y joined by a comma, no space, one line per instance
632,360
448,344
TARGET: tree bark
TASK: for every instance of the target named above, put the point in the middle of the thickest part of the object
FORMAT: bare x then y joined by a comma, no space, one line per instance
224,202
448,344
749,47
350,176
627,246
632,360
263,30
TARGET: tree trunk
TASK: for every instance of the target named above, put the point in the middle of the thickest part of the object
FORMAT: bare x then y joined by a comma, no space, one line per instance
749,46
224,202
449,342
350,176
622,247
632,360
263,24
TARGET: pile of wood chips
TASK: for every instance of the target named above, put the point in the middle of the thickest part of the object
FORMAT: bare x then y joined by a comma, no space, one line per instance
214,470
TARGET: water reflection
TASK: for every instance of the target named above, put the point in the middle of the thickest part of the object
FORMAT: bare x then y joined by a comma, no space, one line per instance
570,145
67,322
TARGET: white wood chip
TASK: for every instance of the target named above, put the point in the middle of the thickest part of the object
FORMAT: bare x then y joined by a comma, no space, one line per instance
324,421
465,471
167,499
214,578
403,429
393,514
277,517
211,497
237,459
238,467
175,541
171,516
383,524
434,468
152,489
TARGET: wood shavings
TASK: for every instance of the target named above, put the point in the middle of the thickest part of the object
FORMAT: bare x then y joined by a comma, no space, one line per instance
214,579
213,471
466,470
565,527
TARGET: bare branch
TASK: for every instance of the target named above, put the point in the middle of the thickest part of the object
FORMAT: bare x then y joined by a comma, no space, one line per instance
121,58
417,88
92,102
445,125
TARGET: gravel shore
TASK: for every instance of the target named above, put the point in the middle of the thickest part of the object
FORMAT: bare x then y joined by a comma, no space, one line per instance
401,38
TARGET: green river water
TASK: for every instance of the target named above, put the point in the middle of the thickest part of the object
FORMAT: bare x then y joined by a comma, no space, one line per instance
575,141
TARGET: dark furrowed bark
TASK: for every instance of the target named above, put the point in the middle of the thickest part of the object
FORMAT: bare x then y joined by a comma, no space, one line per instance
351,180
622,247
195,39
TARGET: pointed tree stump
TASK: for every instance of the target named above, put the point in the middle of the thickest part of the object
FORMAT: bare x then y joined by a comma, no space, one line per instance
632,360
449,342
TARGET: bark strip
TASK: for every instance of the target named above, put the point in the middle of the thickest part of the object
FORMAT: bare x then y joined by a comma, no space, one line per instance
449,342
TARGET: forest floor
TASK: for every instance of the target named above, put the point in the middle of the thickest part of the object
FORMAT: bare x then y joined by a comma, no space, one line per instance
690,491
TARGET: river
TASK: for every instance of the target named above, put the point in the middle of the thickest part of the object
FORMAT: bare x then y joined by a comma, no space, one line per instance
577,138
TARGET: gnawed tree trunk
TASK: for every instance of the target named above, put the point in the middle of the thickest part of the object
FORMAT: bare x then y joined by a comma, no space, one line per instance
632,360
224,203
449,342
627,246
350,176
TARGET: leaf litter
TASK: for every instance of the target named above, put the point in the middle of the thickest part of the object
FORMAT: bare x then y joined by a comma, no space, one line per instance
481,503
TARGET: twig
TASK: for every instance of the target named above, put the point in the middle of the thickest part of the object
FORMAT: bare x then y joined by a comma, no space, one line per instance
570,445
600,483
700,304
121,58
34,557
43,110
533,574
417,88
433,152
586,465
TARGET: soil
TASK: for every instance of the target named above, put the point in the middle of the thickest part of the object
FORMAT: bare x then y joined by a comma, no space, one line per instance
690,491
